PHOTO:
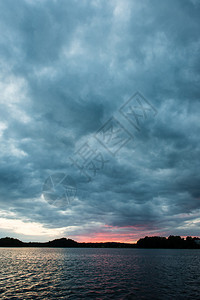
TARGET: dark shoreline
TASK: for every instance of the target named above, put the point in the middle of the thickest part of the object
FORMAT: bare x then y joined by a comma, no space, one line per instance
172,242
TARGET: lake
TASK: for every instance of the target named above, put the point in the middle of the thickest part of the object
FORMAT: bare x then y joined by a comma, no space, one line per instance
99,273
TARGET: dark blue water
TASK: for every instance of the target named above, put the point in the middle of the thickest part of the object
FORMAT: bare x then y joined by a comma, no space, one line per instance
72,273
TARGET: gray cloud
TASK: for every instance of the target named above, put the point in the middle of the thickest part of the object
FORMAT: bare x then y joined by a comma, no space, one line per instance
66,68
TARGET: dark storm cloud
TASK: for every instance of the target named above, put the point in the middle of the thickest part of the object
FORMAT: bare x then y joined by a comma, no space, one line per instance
66,68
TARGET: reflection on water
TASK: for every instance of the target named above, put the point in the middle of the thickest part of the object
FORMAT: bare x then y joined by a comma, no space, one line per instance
72,273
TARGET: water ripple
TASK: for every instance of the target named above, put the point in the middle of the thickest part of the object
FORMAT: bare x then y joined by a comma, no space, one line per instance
77,273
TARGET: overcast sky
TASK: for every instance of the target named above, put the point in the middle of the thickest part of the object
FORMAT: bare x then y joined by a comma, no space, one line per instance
66,69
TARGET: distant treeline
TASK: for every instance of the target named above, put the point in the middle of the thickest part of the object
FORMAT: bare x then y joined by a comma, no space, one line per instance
170,242
174,242
63,243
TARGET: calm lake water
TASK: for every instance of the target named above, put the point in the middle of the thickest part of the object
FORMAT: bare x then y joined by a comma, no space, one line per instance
72,273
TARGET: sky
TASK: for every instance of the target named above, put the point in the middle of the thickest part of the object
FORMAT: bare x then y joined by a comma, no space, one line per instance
99,119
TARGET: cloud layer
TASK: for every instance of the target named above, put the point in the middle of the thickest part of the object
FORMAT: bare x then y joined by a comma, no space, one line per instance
66,67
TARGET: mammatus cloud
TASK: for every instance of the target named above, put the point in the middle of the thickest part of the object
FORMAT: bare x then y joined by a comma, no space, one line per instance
66,68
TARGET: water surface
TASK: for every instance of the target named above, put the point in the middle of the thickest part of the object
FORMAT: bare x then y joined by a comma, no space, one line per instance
83,273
